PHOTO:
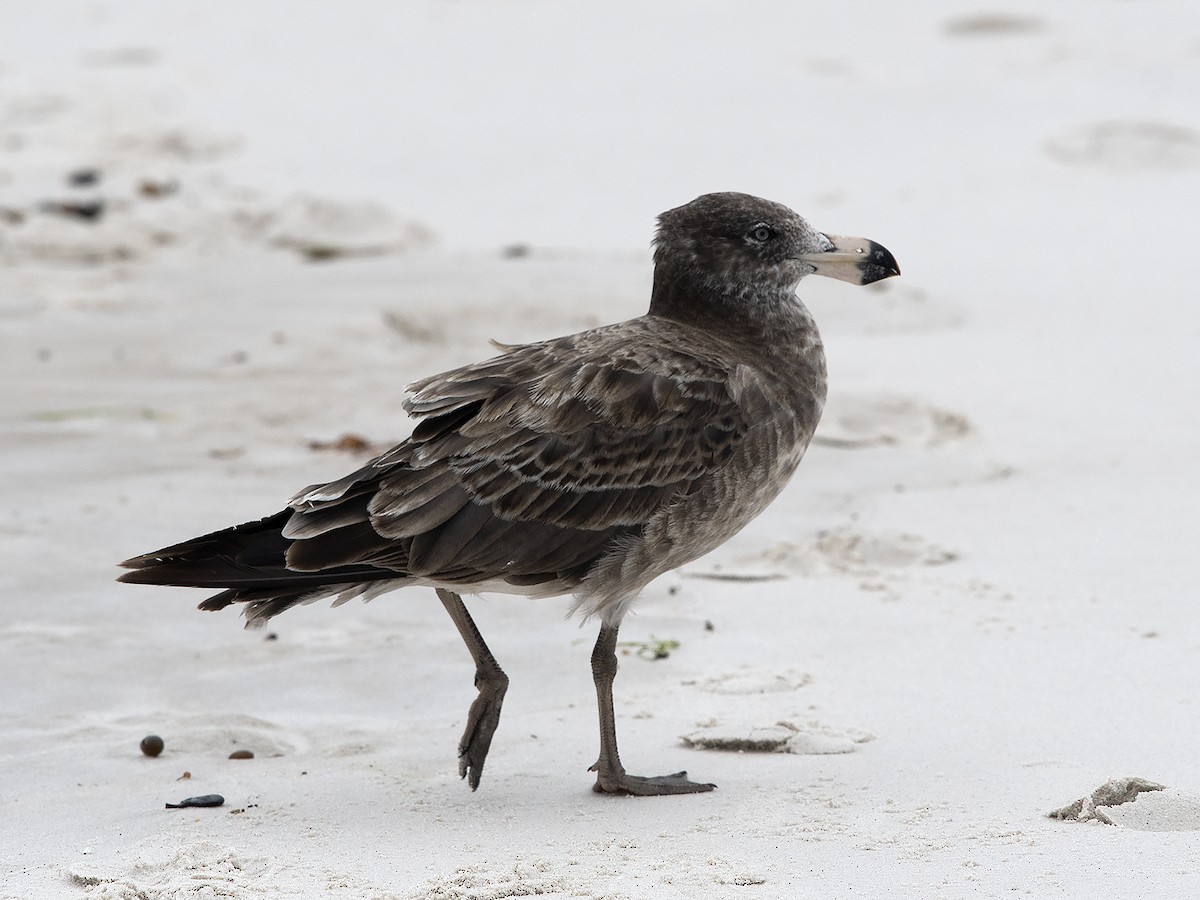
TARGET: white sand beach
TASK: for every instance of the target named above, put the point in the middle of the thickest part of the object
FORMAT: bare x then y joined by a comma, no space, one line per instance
230,234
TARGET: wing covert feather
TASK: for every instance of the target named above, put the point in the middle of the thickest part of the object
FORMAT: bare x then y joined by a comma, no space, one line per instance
527,466
594,443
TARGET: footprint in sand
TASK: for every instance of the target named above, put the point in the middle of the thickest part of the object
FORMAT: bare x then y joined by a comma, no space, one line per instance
207,868
321,230
992,24
843,551
754,681
214,735
1136,804
883,420
835,551
808,739
1128,146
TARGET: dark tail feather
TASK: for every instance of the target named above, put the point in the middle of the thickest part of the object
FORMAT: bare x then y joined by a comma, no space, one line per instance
249,561
263,603
227,558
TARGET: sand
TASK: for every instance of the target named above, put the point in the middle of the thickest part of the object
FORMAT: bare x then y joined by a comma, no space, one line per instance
974,605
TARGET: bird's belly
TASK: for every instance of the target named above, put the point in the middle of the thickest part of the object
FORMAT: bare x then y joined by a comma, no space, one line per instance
707,519
691,527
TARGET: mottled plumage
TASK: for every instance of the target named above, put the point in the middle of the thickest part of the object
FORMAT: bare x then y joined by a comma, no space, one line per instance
588,464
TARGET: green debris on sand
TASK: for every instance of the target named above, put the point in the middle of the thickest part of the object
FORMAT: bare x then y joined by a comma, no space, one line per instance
651,648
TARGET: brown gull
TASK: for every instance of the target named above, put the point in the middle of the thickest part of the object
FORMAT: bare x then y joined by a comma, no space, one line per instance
588,464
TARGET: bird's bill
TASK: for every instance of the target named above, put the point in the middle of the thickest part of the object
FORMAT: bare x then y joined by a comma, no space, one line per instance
853,259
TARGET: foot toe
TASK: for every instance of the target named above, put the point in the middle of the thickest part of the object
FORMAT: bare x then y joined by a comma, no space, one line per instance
651,786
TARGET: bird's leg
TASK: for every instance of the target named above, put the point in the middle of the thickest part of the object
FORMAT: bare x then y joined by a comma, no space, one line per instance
610,774
492,683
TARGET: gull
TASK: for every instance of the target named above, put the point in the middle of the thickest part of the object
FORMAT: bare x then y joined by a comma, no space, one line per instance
588,464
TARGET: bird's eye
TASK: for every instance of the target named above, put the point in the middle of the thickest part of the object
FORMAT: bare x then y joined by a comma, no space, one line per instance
762,233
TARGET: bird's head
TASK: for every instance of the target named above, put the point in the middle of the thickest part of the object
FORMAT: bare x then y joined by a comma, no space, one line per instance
735,245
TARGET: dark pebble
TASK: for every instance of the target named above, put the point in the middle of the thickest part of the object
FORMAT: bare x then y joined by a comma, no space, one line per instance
152,745
84,178
89,211
202,800
241,754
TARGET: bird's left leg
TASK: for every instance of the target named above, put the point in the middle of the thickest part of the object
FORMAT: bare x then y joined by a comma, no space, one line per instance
492,683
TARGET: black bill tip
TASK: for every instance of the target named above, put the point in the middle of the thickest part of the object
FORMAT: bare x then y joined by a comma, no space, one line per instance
877,263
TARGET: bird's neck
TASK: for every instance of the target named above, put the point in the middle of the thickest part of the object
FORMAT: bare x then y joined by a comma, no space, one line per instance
767,316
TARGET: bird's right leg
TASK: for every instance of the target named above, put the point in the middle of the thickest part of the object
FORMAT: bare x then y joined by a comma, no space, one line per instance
492,683
611,777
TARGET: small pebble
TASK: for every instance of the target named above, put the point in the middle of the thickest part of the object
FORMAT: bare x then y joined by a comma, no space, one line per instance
152,745
89,211
202,800
83,177
241,754
156,189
